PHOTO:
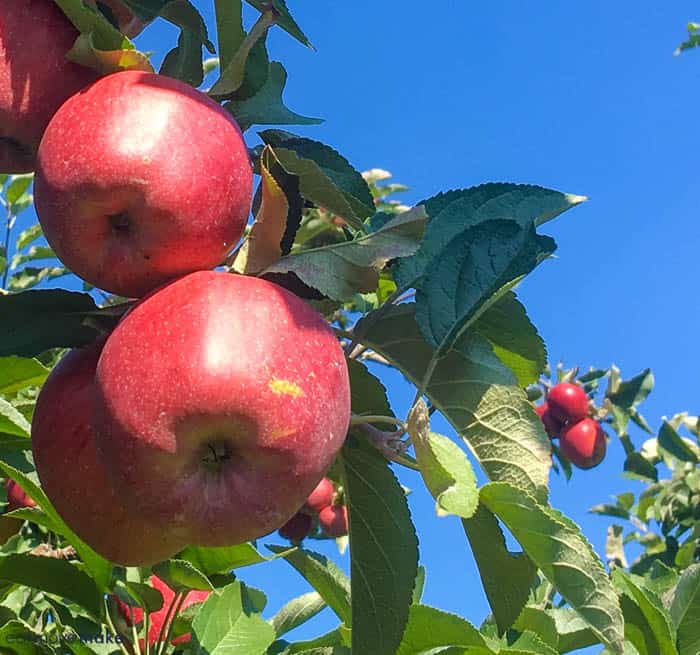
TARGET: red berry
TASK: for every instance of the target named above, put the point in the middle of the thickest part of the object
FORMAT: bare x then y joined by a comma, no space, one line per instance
583,443
553,426
296,528
16,496
334,520
321,496
568,402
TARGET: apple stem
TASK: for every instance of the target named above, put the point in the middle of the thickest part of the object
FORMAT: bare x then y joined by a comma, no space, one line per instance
113,630
134,634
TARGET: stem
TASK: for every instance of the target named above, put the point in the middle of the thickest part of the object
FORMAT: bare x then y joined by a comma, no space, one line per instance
146,627
166,628
134,633
382,441
113,630
372,419
8,230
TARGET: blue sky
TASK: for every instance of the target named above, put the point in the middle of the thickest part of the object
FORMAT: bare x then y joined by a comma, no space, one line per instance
582,97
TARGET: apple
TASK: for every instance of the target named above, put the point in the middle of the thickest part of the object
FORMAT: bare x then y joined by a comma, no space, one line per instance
297,528
35,76
583,443
334,520
16,496
127,22
552,425
321,496
141,179
567,402
221,400
74,478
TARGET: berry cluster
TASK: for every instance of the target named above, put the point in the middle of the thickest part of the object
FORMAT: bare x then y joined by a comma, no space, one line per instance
565,415
332,517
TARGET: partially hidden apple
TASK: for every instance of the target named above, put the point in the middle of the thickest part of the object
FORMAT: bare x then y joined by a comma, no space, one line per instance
16,496
321,496
141,179
221,402
35,76
73,477
334,520
583,443
297,528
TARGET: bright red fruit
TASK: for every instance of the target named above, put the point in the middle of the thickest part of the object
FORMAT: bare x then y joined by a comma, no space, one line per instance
140,179
131,615
16,496
567,402
35,76
583,443
321,496
552,425
334,520
221,401
297,528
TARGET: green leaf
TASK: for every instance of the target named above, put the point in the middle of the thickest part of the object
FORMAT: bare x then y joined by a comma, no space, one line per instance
12,421
185,15
471,269
650,627
326,650
184,61
355,265
90,21
419,586
34,321
16,638
224,627
673,444
367,393
514,338
685,611
297,612
574,633
638,467
451,213
20,372
221,560
229,29
634,391
266,106
283,18
54,576
446,471
428,628
693,40
17,187
384,550
530,642
181,576
324,576
475,392
564,556
536,620
137,594
30,276
507,577
343,175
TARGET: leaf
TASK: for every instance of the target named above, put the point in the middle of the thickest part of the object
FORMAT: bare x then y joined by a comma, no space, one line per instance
185,15
184,61
223,559
229,29
514,338
614,546
564,556
17,638
20,372
266,107
475,393
34,321
297,612
470,271
451,213
367,393
384,550
536,620
105,61
224,627
341,270
181,576
671,442
507,577
445,469
283,18
324,576
634,391
17,187
88,20
693,40
574,633
685,611
429,628
12,421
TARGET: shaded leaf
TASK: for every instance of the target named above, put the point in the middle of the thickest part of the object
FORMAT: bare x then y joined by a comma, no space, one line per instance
283,18
181,576
632,392
368,394
86,53
574,633
12,421
297,612
673,444
685,611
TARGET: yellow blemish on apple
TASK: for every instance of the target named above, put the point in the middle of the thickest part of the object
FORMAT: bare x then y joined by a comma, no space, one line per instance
279,433
285,387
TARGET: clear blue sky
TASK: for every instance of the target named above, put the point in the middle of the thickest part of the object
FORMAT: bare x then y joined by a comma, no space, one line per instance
582,97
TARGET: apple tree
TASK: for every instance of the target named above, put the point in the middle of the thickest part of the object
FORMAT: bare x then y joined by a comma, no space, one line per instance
341,281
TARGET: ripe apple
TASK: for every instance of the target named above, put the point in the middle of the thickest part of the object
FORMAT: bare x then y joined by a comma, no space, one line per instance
75,480
35,76
334,520
127,22
583,443
141,179
297,528
552,425
321,496
221,401
16,496
567,402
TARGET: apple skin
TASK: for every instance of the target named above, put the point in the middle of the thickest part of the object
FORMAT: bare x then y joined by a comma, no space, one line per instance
74,478
334,520
567,402
552,425
297,528
16,496
141,179
321,496
221,401
35,76
583,443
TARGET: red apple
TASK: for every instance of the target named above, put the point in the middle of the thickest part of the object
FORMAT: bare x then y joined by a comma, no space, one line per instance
567,402
16,496
127,22
35,76
583,443
552,425
75,480
297,528
221,401
334,520
140,179
321,496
